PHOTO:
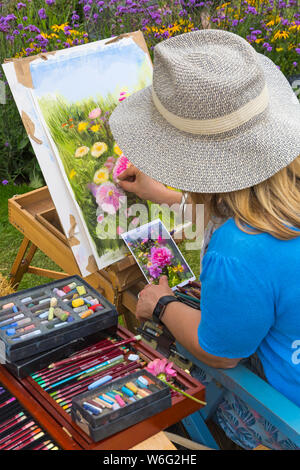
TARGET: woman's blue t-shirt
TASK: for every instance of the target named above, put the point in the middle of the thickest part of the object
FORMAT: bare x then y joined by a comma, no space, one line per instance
250,302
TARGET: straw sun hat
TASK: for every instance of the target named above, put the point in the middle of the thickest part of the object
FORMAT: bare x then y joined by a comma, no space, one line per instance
219,116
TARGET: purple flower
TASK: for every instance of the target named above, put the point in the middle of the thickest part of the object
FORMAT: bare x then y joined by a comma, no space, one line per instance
50,2
4,182
295,64
297,50
21,5
42,14
155,271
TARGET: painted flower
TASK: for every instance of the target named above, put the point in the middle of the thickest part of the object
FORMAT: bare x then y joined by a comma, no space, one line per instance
100,218
98,149
81,151
120,230
109,197
117,150
101,176
95,128
82,126
109,164
161,256
72,174
95,113
121,164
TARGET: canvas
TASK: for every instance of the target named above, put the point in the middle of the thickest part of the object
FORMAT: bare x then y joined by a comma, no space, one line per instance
65,103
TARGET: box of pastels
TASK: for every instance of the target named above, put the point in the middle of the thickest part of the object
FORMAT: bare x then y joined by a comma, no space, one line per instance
118,404
47,316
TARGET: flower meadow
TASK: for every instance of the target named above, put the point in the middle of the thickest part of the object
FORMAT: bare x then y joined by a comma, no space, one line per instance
37,26
157,255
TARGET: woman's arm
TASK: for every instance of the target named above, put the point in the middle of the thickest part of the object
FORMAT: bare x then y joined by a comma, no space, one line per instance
181,320
134,181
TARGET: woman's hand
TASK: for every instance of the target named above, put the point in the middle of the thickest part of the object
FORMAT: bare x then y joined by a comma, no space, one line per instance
135,181
149,297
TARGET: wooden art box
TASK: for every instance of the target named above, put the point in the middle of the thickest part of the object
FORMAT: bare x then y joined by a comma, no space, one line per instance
57,422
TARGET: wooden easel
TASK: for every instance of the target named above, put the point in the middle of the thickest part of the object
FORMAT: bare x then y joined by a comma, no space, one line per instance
35,216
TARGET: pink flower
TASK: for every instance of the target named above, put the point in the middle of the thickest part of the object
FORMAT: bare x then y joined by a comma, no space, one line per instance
120,230
108,196
161,366
135,221
121,164
109,164
100,218
95,113
161,256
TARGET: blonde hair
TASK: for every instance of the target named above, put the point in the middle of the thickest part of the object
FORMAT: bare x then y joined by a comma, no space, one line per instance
272,206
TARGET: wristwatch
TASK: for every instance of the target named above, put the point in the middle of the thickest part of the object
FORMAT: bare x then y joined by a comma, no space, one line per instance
161,306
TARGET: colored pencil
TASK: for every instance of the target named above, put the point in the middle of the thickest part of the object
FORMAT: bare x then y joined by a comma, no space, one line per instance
90,353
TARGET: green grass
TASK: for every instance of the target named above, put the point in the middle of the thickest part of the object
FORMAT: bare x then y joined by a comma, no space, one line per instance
11,238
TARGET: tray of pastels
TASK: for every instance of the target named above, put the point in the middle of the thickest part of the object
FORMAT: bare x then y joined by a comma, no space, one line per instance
44,317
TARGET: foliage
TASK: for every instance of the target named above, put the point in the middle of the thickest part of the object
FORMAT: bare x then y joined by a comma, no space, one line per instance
33,26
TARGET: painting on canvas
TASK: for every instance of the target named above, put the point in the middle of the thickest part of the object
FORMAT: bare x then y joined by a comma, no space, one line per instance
75,94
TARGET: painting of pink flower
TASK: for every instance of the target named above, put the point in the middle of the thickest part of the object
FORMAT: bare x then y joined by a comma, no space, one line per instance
162,256
109,197
121,164
110,163
120,230
95,113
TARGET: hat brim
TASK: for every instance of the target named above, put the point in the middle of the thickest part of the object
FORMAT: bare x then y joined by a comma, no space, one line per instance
211,164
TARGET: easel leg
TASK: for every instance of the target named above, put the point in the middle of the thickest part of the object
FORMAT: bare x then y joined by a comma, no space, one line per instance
21,262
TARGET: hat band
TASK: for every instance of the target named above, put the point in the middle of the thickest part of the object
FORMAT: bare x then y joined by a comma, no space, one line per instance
217,125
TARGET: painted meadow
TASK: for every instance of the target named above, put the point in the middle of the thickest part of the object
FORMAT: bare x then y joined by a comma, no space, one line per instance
76,107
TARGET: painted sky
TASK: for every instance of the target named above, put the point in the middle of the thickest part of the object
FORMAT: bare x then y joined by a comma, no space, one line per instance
107,69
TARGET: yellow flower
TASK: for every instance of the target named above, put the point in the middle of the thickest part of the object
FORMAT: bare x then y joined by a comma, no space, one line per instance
82,126
101,176
279,49
81,151
280,35
259,40
98,149
273,21
72,174
117,150
59,27
95,128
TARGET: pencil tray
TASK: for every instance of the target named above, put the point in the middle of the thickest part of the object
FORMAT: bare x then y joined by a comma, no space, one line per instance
47,335
112,421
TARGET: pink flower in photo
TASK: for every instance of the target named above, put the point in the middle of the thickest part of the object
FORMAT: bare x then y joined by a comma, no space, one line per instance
95,113
162,256
121,164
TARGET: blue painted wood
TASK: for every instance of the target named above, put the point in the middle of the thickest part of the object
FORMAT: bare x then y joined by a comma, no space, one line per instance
258,394
198,430
214,395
